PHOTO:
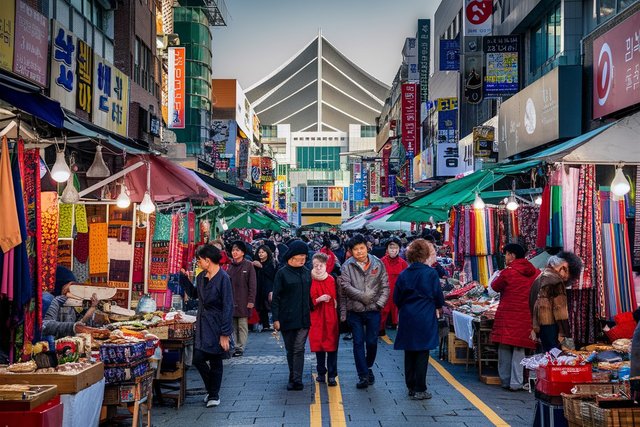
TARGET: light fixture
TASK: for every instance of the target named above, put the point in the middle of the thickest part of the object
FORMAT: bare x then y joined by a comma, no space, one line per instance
70,193
123,201
60,171
147,206
512,203
620,186
98,168
478,203
538,200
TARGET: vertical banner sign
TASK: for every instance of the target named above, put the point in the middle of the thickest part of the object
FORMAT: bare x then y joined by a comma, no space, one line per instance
84,73
7,33
110,97
472,76
345,211
365,183
31,44
266,169
477,17
449,55
176,81
424,57
256,175
501,66
616,68
384,172
374,183
410,118
63,67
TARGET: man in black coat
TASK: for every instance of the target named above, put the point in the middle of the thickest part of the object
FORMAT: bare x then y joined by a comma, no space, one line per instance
291,308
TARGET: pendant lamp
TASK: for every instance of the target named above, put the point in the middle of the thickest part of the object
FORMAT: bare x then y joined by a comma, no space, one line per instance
478,203
60,171
538,200
99,168
620,186
512,203
147,206
123,201
70,193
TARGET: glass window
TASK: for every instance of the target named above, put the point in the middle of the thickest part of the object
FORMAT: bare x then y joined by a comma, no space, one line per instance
546,39
623,4
62,13
78,24
97,43
607,9
87,9
77,4
108,50
367,131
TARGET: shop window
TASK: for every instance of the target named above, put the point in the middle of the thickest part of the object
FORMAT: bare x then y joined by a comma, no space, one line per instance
367,131
143,66
546,39
606,9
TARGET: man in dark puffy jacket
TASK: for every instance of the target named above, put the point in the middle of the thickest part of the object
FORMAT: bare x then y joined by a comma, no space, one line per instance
365,289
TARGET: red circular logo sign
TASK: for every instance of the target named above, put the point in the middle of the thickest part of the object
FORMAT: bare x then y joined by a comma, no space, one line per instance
604,74
478,11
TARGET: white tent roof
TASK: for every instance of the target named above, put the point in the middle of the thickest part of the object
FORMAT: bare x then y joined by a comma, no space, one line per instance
384,225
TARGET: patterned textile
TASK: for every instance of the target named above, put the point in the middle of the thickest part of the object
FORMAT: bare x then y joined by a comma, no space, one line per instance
80,270
582,315
569,181
82,226
544,218
119,272
81,247
159,267
126,233
138,263
98,249
528,222
175,245
65,215
584,232
163,227
599,258
65,253
636,234
556,234
49,237
29,161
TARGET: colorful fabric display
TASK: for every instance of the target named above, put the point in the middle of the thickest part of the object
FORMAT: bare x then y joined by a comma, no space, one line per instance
98,249
49,237
65,216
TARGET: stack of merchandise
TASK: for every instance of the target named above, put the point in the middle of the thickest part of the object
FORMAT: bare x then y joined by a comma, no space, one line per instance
126,357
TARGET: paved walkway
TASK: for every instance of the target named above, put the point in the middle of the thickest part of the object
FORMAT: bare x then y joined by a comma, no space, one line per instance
253,393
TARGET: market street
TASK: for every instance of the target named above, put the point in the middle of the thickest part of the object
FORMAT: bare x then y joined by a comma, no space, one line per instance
253,392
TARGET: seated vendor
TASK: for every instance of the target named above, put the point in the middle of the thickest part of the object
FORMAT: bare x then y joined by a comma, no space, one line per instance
63,319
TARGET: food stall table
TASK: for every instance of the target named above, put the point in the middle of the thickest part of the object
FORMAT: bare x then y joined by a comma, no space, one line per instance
135,396
170,372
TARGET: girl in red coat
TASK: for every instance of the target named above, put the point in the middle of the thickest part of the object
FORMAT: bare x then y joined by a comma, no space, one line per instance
323,335
512,326
394,266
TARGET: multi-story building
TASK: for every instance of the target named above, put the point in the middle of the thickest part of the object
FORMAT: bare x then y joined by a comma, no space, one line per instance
318,116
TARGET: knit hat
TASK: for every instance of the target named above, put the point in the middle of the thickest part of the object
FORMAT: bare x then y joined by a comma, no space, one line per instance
63,276
393,240
296,247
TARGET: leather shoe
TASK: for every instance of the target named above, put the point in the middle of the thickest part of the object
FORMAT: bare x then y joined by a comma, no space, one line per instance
332,382
363,383
371,378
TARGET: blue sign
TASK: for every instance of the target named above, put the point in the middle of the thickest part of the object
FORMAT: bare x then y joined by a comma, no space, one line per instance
365,181
501,77
449,55
358,190
448,126
393,189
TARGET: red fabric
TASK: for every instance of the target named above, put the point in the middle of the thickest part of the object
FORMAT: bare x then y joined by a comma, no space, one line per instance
254,319
512,325
543,218
625,325
323,334
331,262
393,266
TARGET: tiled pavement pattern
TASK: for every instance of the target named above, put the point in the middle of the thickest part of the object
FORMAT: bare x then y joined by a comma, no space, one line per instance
254,393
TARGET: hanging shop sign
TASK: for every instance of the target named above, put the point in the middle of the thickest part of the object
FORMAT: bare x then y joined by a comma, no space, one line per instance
32,38
616,68
501,54
7,34
365,181
410,118
446,104
63,67
391,183
424,57
483,137
449,55
266,169
345,207
256,175
384,171
448,159
374,183
84,74
547,110
110,97
242,163
176,81
472,77
477,17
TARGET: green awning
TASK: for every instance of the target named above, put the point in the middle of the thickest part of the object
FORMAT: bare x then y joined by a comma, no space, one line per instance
457,192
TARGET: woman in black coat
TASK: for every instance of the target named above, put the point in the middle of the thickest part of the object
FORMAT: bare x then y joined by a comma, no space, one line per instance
214,323
265,273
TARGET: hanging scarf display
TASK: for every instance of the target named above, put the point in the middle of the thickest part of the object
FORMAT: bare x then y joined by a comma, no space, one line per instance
9,224
555,235
81,247
583,225
65,219
65,253
598,272
159,267
175,245
138,255
49,237
527,224
544,218
582,315
163,227
569,178
82,226
98,249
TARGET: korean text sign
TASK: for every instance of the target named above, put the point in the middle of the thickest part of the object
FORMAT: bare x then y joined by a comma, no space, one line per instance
110,97
410,118
63,67
176,81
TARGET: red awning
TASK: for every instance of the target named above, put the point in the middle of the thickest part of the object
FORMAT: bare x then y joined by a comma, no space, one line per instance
170,182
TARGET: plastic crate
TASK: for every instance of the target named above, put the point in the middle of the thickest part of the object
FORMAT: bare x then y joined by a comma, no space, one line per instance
567,374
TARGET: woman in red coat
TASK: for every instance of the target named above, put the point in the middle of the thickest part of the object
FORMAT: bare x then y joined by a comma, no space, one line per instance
394,265
323,335
512,326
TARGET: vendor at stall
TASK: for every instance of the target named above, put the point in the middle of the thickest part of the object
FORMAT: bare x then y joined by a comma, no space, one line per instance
512,328
548,300
65,319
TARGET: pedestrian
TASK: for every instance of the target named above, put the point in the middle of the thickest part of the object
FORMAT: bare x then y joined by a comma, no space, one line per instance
512,327
214,321
548,300
365,290
323,335
243,280
265,273
419,298
394,266
291,308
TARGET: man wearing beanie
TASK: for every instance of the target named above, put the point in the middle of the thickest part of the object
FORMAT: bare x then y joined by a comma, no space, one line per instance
291,308
244,283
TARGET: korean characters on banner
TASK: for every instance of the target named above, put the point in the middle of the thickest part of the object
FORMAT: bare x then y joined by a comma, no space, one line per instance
110,97
424,57
63,67
7,33
31,44
448,154
176,81
501,66
477,17
410,118
374,183
84,74
266,169
483,139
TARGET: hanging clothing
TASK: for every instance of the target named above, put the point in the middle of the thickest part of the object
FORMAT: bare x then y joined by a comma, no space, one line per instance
9,225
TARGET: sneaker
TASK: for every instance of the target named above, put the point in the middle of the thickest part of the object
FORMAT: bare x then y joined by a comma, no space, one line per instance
421,395
382,333
370,377
290,386
206,398
411,393
213,402
320,379
238,353
298,386
332,382
348,337
363,383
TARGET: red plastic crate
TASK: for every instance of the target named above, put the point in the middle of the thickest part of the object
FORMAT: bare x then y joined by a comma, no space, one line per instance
553,388
46,415
565,374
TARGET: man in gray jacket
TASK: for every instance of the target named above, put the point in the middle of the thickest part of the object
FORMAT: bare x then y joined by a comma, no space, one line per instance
364,290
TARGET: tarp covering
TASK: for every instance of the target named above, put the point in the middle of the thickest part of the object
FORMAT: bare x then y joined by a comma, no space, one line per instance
595,150
24,98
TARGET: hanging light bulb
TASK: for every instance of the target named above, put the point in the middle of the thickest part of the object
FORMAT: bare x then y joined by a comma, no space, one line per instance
478,203
620,186
223,224
147,206
98,168
512,203
123,201
538,200
70,193
60,171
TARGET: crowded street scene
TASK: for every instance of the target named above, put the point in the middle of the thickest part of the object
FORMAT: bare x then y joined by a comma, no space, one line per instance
330,213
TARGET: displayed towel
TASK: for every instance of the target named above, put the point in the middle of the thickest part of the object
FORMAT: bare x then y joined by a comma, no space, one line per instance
463,326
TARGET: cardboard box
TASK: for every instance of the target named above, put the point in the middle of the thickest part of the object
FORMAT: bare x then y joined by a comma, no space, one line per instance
67,383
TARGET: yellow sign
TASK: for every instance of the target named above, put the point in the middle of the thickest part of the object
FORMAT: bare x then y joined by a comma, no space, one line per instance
7,34
446,104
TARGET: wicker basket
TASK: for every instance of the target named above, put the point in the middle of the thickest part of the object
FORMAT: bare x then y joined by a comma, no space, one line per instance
575,404
181,330
614,417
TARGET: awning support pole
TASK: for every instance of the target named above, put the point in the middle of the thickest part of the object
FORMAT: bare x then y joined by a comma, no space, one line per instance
110,179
